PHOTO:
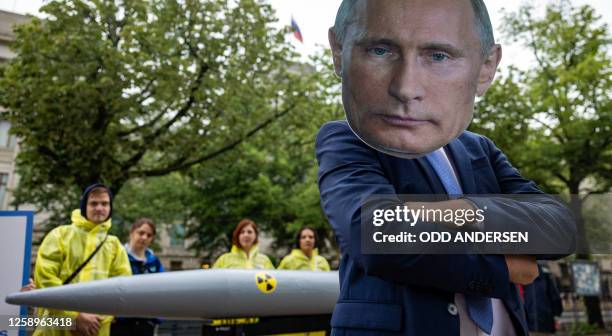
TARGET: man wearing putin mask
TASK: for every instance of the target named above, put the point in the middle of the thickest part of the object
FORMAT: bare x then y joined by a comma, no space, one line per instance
410,72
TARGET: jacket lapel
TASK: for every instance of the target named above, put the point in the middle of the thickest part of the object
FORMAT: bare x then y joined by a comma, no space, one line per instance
432,179
463,165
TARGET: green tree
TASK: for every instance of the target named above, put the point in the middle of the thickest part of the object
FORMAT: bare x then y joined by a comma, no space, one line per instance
270,179
111,90
164,199
554,120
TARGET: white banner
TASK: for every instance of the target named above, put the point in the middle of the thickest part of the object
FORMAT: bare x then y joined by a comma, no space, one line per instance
15,247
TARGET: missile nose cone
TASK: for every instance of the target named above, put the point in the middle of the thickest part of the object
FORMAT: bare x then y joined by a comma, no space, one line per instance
13,298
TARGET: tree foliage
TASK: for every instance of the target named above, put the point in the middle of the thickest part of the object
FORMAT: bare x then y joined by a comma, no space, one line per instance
270,179
555,119
111,91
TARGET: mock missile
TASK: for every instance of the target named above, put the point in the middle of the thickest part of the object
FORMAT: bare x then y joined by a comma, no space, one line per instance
217,293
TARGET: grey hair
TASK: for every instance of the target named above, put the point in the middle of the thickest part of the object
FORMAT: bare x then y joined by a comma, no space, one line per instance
347,15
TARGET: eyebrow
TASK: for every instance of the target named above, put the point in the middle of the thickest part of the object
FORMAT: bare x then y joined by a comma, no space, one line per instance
444,47
374,40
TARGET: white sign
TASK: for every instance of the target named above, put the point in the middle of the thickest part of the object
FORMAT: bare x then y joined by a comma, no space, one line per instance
15,247
586,278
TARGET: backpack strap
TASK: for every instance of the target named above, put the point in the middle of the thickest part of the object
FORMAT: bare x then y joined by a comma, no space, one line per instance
78,270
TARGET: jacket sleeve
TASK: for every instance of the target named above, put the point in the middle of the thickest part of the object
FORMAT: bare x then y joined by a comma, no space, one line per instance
284,264
160,266
349,172
324,264
220,262
267,263
120,265
49,261
549,219
47,270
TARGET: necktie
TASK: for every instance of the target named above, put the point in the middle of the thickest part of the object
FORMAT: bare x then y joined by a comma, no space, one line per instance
480,309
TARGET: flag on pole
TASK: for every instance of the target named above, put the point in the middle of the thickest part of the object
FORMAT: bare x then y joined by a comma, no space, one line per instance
296,30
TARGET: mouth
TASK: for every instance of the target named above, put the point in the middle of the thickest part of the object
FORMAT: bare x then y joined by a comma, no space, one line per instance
400,121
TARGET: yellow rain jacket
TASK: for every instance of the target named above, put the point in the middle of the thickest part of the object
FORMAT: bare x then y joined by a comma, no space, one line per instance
62,252
237,258
297,260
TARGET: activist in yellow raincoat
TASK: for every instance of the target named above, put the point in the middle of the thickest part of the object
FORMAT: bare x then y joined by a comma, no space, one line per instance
297,260
237,258
305,256
64,249
245,253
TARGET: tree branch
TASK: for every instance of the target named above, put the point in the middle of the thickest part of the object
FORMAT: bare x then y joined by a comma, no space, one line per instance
146,89
561,177
146,125
147,139
182,163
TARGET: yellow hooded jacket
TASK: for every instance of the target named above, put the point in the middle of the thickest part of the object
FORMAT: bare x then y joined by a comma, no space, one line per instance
297,260
237,258
62,252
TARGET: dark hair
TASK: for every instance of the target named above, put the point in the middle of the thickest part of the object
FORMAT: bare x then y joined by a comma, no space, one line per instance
347,15
142,221
241,225
299,234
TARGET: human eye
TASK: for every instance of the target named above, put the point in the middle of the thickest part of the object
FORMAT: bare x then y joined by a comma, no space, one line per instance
439,56
379,51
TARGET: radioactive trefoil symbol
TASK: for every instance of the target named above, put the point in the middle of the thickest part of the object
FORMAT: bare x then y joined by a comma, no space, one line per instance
265,282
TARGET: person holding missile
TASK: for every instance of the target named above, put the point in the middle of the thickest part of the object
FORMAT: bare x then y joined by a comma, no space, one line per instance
80,252
244,253
305,255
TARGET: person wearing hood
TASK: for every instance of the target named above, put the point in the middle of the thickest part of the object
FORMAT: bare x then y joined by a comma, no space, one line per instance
305,255
142,261
244,253
80,252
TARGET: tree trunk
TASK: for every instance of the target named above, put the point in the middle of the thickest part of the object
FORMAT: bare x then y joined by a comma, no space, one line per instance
592,303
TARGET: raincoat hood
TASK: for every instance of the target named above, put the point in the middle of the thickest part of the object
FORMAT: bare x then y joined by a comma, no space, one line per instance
83,223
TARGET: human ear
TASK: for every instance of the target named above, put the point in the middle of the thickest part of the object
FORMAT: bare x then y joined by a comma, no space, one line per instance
487,70
336,49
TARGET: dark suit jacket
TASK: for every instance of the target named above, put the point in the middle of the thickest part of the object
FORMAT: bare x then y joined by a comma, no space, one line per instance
406,294
542,303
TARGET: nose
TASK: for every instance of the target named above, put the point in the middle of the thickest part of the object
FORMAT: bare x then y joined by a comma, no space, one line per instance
406,84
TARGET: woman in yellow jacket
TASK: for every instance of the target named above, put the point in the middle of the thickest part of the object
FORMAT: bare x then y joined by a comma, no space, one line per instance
305,256
244,253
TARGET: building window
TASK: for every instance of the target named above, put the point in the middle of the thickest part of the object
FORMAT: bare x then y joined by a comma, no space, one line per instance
177,235
176,265
7,141
3,185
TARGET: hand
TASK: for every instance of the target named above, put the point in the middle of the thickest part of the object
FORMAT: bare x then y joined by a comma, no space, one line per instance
29,286
522,269
88,324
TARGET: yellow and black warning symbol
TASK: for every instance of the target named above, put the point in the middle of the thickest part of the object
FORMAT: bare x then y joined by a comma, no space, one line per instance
265,282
